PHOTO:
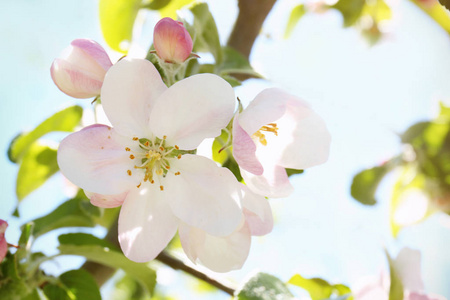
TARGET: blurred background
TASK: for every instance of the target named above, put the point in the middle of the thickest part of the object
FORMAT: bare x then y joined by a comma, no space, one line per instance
366,94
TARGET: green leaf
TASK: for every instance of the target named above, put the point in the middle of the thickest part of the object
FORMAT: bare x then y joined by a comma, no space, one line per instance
263,286
396,288
117,20
73,285
83,239
171,9
71,213
128,288
65,120
205,35
235,63
291,172
414,132
109,257
25,237
350,9
366,182
296,13
317,288
38,165
9,268
156,4
221,143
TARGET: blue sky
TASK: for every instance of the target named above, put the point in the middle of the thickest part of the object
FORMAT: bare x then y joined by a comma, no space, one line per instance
365,94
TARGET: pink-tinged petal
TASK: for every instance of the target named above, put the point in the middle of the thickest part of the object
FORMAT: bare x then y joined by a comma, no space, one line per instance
3,243
257,211
220,254
75,82
146,223
193,109
172,41
106,201
422,296
80,69
273,183
204,195
244,149
267,107
407,265
304,135
93,50
95,159
130,90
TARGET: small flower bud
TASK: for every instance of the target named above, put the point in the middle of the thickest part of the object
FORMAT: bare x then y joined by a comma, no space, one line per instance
81,68
3,243
172,41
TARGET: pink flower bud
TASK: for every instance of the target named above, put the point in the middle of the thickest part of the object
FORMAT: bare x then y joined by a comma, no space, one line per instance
3,243
81,68
172,41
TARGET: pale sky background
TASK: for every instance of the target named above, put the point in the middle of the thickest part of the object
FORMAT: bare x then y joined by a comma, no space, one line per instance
365,94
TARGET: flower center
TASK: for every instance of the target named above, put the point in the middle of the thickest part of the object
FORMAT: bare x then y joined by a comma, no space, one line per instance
271,127
154,159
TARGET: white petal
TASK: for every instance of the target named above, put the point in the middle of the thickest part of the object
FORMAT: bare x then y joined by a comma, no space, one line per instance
258,214
220,254
267,107
407,265
106,201
130,90
273,183
304,135
204,195
244,149
95,159
193,109
146,223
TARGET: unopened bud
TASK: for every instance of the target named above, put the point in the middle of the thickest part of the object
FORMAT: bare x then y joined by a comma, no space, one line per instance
81,68
172,41
3,243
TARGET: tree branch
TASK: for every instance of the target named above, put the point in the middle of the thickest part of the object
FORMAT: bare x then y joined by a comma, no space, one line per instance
252,14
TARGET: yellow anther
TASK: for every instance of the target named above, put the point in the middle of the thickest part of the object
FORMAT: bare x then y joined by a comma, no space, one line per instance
131,156
152,182
147,143
161,188
161,148
139,185
271,127
164,137
135,138
179,156
177,173
127,149
176,147
129,172
167,167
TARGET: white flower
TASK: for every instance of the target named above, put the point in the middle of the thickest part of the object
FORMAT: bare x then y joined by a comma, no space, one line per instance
145,159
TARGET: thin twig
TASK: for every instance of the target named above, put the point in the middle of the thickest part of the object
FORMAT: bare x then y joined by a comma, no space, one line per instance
177,264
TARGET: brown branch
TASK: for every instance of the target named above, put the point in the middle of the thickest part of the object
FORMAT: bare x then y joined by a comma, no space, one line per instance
252,14
177,264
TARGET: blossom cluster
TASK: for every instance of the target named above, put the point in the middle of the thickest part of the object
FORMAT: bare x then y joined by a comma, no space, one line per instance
145,160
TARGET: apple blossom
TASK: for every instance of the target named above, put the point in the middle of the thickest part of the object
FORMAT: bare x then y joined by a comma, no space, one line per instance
146,161
80,69
172,41
3,243
223,254
277,131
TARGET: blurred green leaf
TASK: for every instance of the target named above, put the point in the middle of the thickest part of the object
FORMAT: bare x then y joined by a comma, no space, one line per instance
366,182
235,63
71,213
263,286
73,285
38,165
296,13
14,289
220,143
320,289
128,288
396,288
155,4
65,120
9,268
205,35
414,132
317,288
82,239
171,9
109,257
351,10
117,20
